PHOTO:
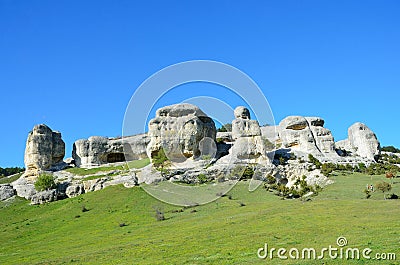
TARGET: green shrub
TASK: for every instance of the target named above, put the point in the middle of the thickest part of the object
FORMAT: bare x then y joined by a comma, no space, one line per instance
271,179
242,172
45,182
327,168
282,160
349,167
248,173
384,187
314,161
283,190
160,161
202,178
380,169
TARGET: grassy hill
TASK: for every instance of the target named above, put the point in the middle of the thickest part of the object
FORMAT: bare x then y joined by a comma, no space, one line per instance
221,232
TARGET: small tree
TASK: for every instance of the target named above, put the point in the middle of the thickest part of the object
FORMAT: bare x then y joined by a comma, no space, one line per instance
160,161
45,182
315,161
384,187
362,167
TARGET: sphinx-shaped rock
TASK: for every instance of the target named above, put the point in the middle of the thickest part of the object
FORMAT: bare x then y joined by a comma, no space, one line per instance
249,145
99,150
44,149
361,141
180,130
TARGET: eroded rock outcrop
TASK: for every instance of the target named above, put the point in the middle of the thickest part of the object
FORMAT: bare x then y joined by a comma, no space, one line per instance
183,131
44,150
361,141
303,135
249,145
99,150
24,187
74,190
44,196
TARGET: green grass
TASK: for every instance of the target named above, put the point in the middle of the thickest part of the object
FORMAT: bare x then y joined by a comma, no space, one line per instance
90,171
139,163
220,232
5,180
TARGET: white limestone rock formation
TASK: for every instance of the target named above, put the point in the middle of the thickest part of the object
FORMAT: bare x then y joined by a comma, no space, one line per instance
183,131
294,170
361,141
305,135
295,133
99,150
44,150
323,136
249,145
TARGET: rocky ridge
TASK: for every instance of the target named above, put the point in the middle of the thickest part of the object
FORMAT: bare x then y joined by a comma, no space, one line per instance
188,137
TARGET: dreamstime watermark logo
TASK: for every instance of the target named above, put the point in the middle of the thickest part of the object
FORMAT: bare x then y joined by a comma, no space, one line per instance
340,251
161,85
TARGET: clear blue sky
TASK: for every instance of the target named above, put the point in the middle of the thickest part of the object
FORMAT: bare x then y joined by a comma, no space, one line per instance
75,64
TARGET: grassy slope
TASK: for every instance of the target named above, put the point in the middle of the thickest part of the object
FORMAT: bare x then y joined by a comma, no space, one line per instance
221,232
10,179
89,171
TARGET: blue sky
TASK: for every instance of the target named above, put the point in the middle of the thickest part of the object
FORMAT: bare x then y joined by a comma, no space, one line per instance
75,64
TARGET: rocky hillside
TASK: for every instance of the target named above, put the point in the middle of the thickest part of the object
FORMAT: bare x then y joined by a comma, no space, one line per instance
195,153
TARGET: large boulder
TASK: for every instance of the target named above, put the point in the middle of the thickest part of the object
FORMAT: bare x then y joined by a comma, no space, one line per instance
361,141
99,150
128,181
44,149
180,130
6,191
44,196
95,184
24,187
74,190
